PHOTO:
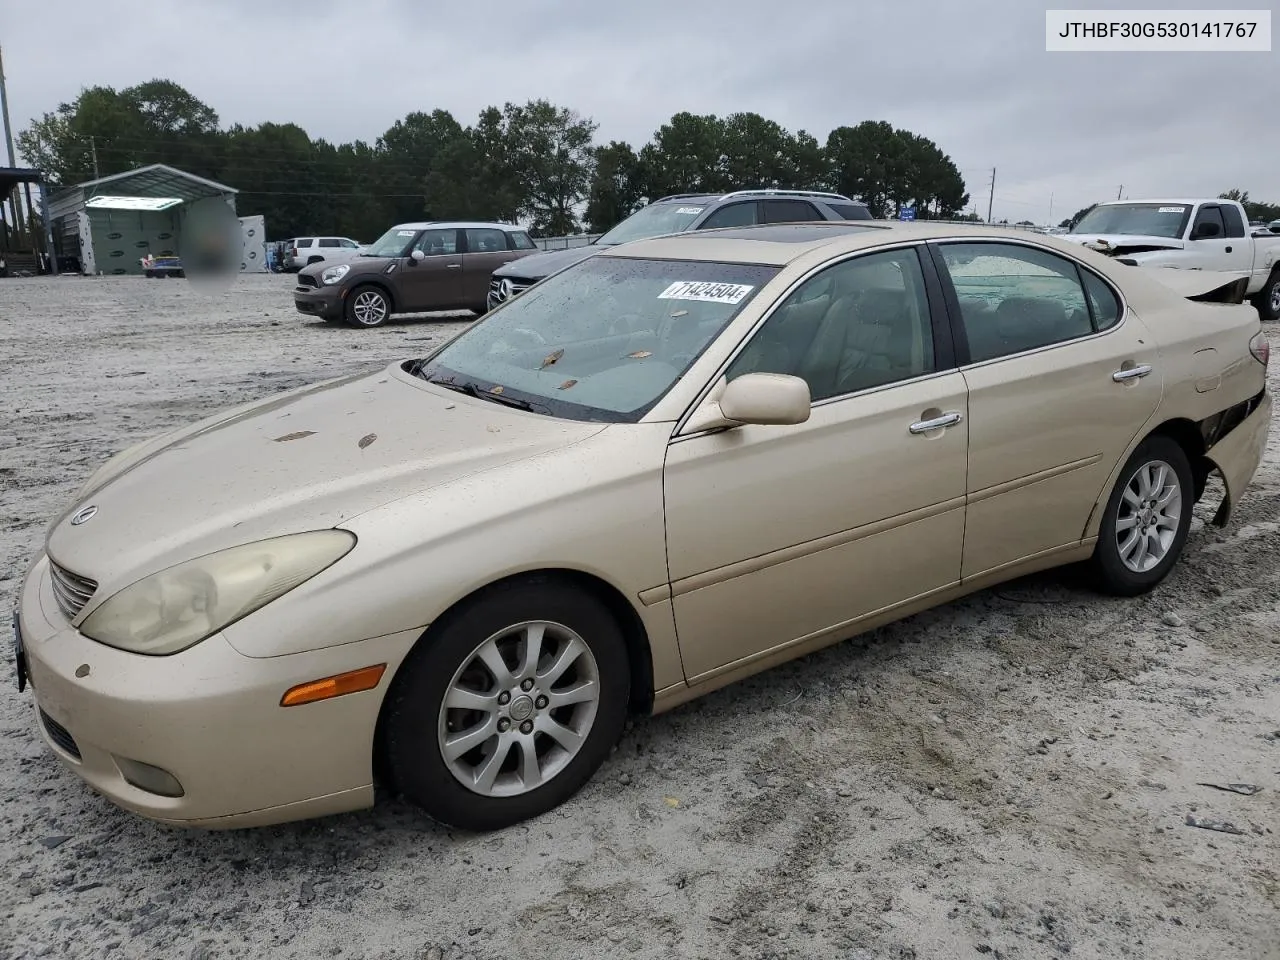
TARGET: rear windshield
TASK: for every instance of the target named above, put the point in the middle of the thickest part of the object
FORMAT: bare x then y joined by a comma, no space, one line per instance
603,340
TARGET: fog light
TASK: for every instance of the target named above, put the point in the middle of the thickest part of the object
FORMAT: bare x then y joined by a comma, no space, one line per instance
151,779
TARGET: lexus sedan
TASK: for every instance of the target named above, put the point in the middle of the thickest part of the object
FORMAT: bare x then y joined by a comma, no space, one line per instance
668,467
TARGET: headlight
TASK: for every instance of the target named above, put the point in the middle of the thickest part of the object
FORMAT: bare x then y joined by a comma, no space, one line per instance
176,608
334,274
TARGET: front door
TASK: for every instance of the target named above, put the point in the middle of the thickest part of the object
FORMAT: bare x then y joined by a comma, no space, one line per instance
435,281
1060,381
778,534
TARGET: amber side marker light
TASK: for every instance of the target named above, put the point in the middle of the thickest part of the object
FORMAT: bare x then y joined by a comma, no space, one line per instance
366,678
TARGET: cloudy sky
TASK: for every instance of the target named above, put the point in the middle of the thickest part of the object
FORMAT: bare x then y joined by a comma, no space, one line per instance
973,76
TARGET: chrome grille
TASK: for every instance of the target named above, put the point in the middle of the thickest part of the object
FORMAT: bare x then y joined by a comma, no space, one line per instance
71,590
517,286
60,735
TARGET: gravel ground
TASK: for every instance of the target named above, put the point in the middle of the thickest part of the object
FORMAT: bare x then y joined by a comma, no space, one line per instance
1009,776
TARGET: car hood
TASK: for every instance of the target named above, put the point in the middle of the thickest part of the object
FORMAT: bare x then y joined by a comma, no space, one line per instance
539,265
303,461
359,265
1118,245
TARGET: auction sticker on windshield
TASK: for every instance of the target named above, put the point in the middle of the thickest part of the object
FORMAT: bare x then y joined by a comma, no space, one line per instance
405,233
689,210
1172,210
730,293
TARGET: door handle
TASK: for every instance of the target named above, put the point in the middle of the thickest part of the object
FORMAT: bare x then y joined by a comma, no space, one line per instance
937,423
1132,373
453,266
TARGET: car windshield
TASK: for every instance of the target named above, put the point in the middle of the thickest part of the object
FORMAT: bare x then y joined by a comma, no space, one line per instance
603,340
655,220
393,243
1136,219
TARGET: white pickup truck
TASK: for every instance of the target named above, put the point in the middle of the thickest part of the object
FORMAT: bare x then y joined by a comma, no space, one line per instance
1188,235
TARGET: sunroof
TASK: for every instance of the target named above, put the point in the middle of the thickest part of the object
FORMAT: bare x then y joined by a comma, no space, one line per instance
794,232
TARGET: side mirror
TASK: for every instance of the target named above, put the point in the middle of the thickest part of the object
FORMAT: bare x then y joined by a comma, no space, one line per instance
759,398
418,255
1205,231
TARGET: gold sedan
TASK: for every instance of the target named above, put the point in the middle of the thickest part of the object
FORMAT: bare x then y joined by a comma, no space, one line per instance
660,470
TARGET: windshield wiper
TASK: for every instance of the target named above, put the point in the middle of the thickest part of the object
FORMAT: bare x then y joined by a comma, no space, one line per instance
471,390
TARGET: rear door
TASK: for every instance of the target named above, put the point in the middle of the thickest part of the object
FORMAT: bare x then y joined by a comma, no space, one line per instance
1061,379
485,250
435,281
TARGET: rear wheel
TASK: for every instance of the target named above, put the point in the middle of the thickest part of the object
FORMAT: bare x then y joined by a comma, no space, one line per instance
1147,519
367,306
1268,299
510,708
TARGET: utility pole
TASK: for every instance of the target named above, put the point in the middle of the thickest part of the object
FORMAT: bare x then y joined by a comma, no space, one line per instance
1051,208
992,198
93,148
1120,191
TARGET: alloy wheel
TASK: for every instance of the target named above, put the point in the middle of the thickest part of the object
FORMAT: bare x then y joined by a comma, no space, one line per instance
519,709
369,308
1148,516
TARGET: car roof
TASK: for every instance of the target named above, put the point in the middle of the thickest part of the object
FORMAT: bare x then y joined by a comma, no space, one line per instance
457,225
780,244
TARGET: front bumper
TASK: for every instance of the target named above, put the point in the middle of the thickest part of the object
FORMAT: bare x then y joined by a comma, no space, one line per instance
324,302
209,716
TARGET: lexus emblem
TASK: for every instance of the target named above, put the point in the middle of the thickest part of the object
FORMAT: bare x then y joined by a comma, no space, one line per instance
84,514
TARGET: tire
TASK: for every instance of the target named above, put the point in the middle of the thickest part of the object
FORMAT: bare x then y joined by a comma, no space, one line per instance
1268,299
417,724
480,310
367,306
1130,572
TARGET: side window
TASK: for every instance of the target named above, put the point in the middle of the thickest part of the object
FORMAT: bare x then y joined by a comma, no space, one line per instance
860,324
1015,298
485,240
437,243
1208,223
789,211
350,244
1234,222
851,211
521,241
1102,302
302,243
329,242
732,215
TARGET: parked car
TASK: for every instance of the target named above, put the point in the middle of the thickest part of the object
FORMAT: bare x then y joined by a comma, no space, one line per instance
1274,226
1188,235
676,214
304,251
663,469
413,268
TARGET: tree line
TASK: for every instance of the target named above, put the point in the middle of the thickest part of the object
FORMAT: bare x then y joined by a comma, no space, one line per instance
535,162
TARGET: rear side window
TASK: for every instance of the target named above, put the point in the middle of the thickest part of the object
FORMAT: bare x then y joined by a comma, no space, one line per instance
1235,222
1102,302
851,211
1015,298
303,242
731,215
521,241
329,242
790,211
485,240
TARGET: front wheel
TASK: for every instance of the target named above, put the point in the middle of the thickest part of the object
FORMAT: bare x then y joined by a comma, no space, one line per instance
508,710
367,307
1147,519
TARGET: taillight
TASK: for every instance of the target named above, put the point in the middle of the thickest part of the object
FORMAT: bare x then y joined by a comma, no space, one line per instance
1260,347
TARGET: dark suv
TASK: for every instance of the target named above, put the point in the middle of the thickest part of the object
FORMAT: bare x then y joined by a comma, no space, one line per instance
677,214
412,268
